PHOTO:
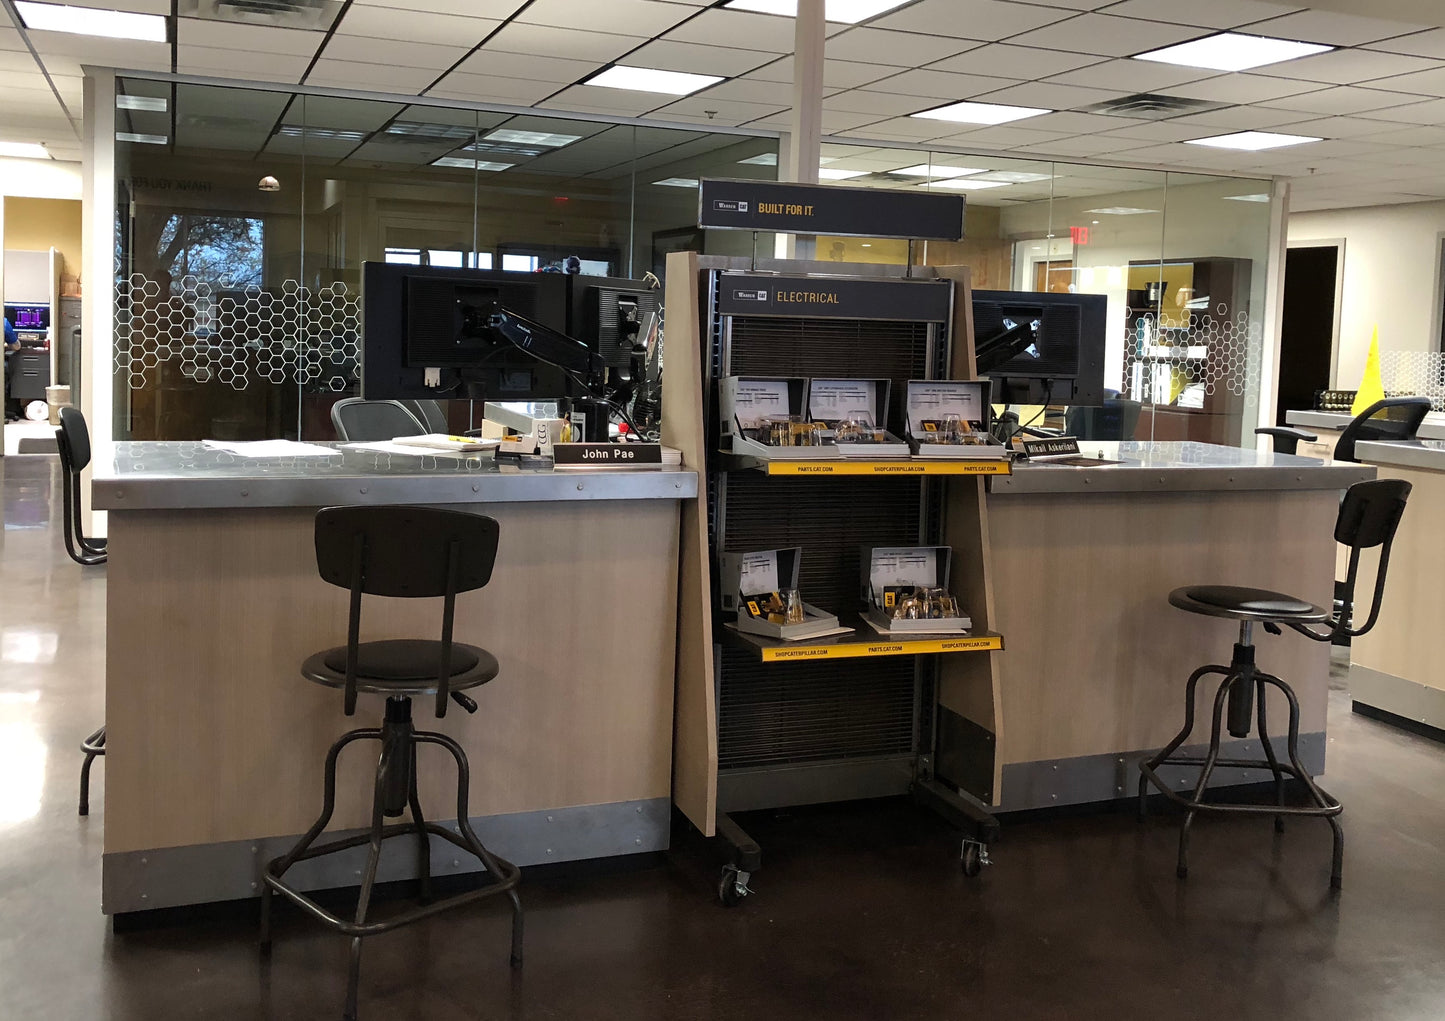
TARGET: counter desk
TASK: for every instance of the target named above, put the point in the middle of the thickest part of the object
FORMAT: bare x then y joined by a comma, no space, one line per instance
215,743
1083,560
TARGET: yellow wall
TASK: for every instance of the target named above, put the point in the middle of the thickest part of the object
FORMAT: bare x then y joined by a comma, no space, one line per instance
33,225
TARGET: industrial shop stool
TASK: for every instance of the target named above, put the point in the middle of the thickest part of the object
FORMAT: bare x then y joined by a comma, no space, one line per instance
1369,515
405,552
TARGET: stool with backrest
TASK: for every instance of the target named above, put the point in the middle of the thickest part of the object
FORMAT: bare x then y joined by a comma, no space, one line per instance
72,442
357,419
406,552
1368,517
429,413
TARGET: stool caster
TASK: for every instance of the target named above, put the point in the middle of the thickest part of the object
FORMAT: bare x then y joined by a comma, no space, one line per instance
732,886
973,857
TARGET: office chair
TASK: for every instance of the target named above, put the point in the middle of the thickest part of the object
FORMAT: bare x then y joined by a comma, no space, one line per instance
429,413
445,552
1117,419
1368,518
72,441
1394,419
369,421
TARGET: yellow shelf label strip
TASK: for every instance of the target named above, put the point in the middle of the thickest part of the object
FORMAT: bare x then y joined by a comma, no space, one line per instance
884,647
889,468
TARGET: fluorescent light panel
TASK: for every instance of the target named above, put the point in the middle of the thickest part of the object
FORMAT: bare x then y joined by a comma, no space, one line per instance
677,182
1121,211
936,170
1260,197
530,137
846,12
143,139
964,184
829,174
648,79
321,134
24,150
981,113
154,104
1233,51
1253,141
89,21
461,163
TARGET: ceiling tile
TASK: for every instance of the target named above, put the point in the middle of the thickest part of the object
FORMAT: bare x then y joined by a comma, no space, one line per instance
669,55
377,77
1334,127
105,52
717,111
1131,76
1080,123
255,38
881,104
421,58
1430,112
1156,131
1424,83
1090,145
1047,96
1415,135
1346,67
547,41
835,122
135,6
499,9
415,26
904,49
1345,99
1331,27
1210,14
837,74
640,17
1236,118
929,85
594,99
526,66
1243,88
971,19
493,88
1019,62
741,30
1002,136
274,67
1430,43
1108,37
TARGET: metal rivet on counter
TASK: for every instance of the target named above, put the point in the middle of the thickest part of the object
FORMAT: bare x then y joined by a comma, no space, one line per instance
549,818
145,896
253,886
639,809
579,487
245,492
255,849
549,850
637,840
145,861
476,488
363,489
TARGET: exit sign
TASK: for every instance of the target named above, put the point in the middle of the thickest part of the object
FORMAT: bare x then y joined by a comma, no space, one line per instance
1079,235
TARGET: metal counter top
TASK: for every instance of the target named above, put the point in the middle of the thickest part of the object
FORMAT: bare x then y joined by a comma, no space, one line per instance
1427,454
189,475
1433,428
1180,468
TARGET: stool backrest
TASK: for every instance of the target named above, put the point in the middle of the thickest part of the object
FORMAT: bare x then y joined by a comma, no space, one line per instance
407,552
72,440
1369,517
356,418
1393,419
429,413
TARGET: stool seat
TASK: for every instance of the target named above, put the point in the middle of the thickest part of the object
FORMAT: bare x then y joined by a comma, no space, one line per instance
1241,603
402,667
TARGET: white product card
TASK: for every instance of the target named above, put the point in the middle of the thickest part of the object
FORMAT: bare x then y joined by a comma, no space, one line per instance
758,574
902,566
835,400
271,448
759,399
933,402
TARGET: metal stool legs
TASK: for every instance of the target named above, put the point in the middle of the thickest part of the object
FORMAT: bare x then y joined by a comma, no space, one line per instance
395,792
1241,672
92,746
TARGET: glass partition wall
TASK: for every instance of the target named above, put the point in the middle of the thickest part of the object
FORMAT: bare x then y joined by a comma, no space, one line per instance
244,216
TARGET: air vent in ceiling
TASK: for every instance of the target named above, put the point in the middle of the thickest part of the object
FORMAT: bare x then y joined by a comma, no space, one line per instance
308,14
1151,106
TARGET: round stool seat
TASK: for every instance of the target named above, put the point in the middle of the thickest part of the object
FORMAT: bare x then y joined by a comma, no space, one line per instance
402,667
1240,603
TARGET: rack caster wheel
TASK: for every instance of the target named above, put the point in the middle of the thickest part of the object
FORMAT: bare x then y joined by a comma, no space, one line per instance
732,886
974,857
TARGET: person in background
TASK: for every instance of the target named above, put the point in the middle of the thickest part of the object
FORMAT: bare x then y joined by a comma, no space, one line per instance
12,344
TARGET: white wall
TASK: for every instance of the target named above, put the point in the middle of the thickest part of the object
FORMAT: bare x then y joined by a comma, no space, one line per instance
1391,278
39,179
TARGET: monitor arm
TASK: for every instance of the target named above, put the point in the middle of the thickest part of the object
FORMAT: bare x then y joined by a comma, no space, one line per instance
541,342
999,350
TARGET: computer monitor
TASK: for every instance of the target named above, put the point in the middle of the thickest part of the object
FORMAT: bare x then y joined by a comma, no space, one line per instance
1041,348
28,317
613,316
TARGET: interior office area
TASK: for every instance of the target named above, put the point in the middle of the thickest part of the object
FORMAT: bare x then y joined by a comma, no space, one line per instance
614,788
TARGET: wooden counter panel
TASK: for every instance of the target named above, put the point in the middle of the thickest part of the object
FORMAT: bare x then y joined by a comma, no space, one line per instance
1095,658
213,735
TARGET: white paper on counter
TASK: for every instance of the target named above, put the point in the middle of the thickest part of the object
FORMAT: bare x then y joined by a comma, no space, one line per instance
411,450
271,448
758,574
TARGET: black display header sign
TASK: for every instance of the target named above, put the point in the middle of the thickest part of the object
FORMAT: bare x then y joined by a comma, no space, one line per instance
607,455
1064,446
828,209
928,301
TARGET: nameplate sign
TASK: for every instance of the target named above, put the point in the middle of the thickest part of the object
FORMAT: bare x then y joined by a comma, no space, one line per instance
1063,446
606,455
825,298
829,209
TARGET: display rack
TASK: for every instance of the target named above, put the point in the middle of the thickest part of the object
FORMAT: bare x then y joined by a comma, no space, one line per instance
762,723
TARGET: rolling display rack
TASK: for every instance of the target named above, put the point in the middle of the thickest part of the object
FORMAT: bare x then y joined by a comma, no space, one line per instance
761,723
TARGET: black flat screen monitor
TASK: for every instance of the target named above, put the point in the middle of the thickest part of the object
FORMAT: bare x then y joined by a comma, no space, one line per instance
611,316
1041,348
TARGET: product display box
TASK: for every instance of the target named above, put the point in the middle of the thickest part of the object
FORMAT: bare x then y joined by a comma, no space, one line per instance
854,415
767,417
952,419
912,580
756,585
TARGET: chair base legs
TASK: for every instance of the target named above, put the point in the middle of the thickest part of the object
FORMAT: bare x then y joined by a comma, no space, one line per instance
395,792
92,747
1234,691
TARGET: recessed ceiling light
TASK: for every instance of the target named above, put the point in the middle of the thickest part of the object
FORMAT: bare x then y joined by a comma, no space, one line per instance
1233,51
133,136
426,132
463,163
88,21
155,104
936,170
24,150
649,79
504,149
981,113
530,137
845,11
321,134
1015,177
1260,197
1253,141
1121,211
964,184
828,174
677,182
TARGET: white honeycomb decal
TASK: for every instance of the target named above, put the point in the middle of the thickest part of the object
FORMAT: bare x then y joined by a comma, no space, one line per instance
1219,352
1414,372
236,338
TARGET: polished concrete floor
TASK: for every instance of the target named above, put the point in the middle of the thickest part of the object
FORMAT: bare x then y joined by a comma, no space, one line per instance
860,913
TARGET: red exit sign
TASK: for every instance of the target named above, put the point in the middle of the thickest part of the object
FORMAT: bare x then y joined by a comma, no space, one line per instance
1079,235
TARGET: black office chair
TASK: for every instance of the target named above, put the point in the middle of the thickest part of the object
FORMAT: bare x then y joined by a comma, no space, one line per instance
408,552
1368,518
1394,419
1117,419
357,419
72,441
429,413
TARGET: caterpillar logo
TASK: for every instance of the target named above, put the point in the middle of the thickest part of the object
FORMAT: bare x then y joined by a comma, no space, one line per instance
751,295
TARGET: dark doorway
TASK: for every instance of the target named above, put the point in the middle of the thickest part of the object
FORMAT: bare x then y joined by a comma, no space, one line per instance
1307,331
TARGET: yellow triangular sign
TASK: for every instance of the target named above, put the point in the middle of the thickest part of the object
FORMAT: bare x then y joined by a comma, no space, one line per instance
1372,389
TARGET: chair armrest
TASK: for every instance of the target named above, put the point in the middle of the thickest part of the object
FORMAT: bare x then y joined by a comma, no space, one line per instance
1041,433
1286,432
